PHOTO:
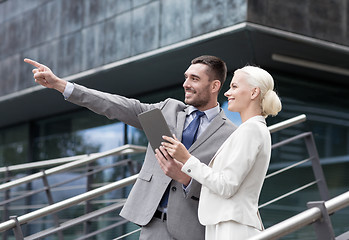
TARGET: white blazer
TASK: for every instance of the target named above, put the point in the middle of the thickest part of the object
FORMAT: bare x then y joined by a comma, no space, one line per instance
232,181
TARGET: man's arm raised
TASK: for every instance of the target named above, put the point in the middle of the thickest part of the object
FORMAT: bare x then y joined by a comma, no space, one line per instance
45,77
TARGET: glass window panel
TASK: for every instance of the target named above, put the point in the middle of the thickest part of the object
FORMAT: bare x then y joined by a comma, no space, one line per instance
14,145
74,134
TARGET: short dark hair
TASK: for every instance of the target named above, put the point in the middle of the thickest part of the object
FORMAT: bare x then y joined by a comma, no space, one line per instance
217,66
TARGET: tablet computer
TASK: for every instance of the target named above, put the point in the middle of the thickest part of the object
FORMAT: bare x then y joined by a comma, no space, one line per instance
155,126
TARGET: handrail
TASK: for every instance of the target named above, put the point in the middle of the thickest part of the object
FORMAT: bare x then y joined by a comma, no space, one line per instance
291,139
302,219
287,194
26,194
67,203
287,123
79,220
43,163
119,150
128,234
288,167
52,162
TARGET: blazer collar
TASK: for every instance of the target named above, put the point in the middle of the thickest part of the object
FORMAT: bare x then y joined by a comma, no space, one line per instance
257,118
215,124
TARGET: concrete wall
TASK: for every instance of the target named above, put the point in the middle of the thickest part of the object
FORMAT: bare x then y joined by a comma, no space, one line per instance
72,36
322,19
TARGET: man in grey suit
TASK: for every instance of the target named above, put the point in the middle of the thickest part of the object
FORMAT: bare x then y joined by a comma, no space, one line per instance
164,200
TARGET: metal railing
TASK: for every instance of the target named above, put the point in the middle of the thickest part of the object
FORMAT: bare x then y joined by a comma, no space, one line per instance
312,152
316,166
83,160
47,187
65,204
312,215
287,123
16,222
42,164
126,149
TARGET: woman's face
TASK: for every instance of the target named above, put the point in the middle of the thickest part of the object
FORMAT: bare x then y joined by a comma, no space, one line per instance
240,93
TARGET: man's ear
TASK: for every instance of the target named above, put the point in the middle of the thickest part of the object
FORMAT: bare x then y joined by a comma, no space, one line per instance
255,93
216,85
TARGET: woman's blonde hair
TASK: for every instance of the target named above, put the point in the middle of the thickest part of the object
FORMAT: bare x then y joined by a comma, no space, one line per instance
258,77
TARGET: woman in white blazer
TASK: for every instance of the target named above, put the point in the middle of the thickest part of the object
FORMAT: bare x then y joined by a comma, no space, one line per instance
232,181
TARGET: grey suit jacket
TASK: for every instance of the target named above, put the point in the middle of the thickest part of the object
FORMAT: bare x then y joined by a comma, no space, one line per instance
144,198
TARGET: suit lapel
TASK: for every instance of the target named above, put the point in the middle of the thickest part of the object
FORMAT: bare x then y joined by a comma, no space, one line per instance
180,123
259,119
218,151
216,123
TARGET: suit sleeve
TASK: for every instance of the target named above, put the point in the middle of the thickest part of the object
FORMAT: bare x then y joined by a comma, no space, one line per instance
111,105
230,166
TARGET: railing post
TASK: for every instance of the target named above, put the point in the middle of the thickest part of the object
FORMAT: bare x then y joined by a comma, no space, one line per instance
317,169
131,167
17,229
323,226
50,201
5,215
88,207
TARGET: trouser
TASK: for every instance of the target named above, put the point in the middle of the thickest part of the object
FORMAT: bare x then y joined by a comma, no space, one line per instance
155,229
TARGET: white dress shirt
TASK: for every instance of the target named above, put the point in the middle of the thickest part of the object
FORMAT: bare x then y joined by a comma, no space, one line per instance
68,90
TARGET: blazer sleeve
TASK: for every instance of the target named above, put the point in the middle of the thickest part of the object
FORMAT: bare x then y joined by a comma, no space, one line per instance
112,106
231,165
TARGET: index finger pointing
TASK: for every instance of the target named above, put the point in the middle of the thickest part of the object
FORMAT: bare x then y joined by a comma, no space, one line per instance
32,62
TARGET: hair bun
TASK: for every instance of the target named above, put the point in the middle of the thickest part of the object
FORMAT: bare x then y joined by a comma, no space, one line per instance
258,77
271,103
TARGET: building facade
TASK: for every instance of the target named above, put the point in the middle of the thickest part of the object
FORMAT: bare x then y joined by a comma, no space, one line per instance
141,48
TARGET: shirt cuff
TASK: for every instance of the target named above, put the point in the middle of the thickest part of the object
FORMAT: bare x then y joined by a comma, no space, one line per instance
186,168
187,188
68,90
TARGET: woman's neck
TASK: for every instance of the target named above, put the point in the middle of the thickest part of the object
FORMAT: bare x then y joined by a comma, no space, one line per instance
249,113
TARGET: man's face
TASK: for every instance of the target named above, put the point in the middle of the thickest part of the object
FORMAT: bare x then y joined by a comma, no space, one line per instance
197,86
